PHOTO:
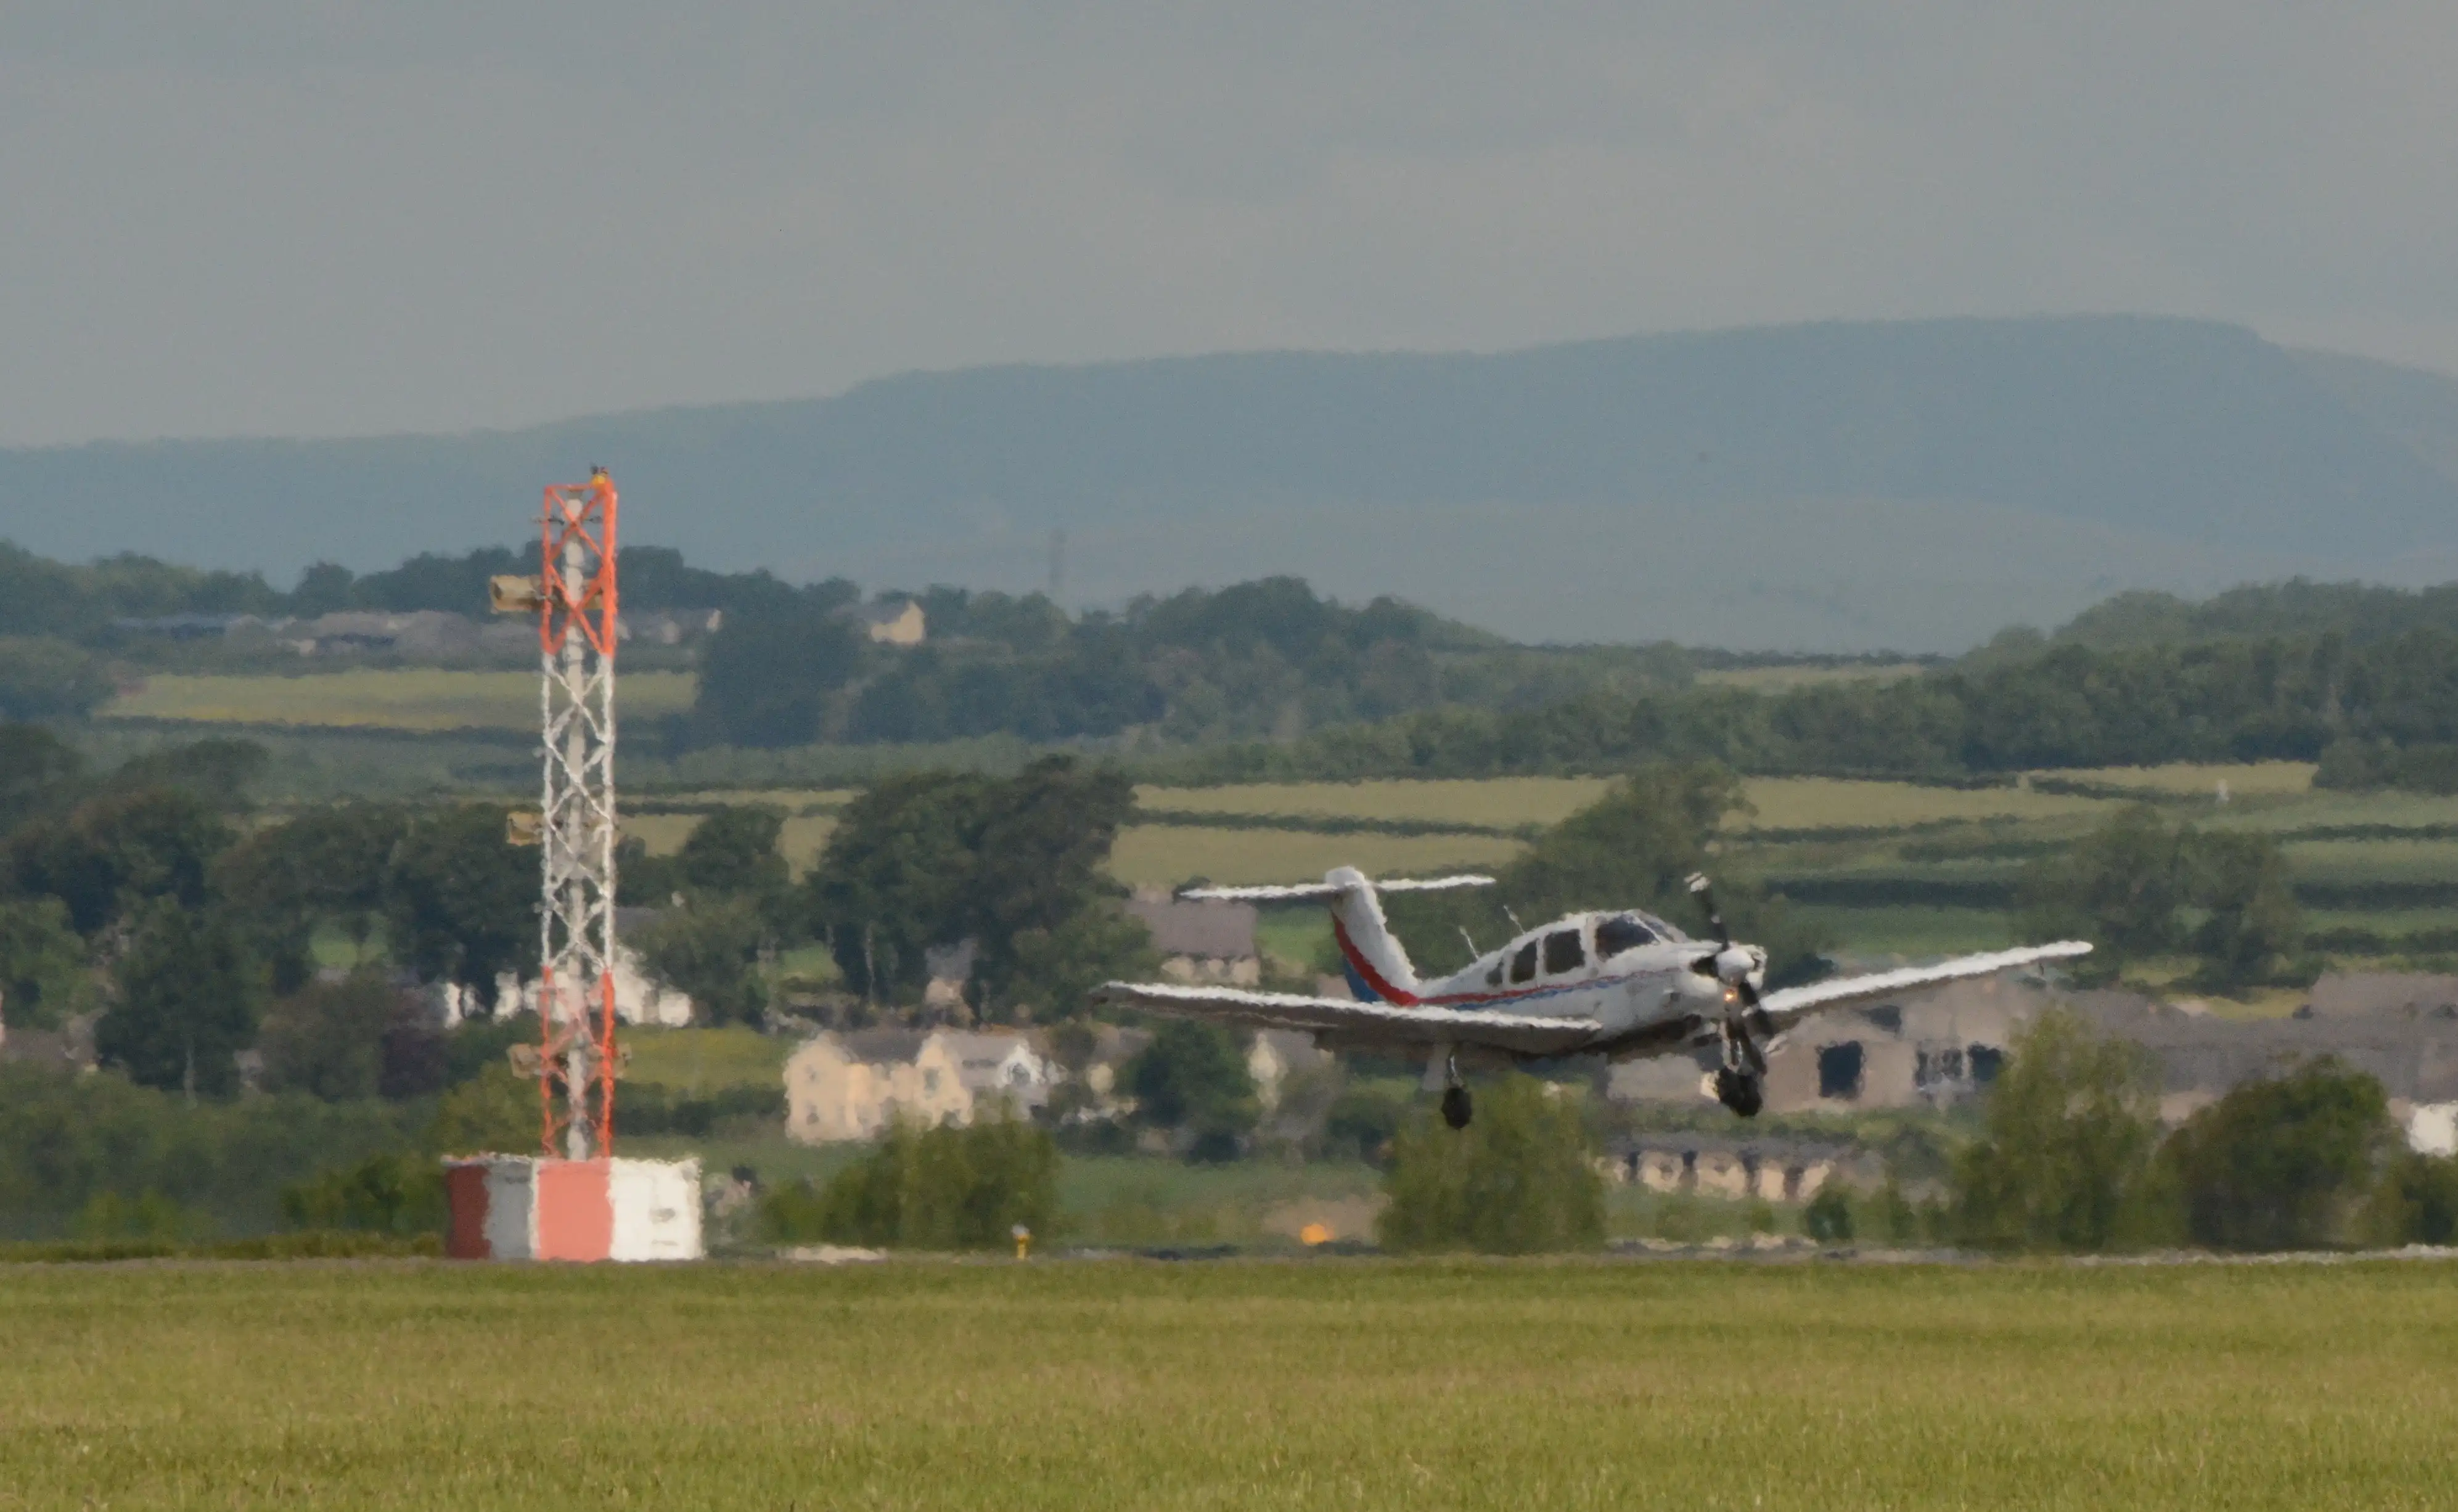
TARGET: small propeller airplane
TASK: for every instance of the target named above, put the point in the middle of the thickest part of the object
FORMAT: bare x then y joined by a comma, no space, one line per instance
1620,985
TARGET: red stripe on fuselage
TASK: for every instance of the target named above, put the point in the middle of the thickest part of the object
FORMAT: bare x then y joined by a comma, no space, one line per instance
1364,968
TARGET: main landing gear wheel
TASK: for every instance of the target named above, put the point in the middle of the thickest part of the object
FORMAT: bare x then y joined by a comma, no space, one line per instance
1739,1090
1457,1106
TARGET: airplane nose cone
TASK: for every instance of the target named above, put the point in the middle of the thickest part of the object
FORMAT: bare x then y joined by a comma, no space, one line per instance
1736,962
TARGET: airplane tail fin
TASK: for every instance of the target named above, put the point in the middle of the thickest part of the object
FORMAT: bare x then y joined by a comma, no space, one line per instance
1377,967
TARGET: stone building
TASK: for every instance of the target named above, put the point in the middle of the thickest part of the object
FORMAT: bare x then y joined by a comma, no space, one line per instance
848,1085
1201,941
1945,1045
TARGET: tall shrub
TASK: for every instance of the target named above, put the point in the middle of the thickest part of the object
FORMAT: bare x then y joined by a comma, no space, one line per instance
1520,1179
948,1188
2065,1158
2281,1164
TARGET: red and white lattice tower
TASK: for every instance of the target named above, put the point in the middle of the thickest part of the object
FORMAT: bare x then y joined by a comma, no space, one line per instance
577,638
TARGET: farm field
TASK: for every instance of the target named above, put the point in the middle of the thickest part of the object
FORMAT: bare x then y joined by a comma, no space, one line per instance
1892,870
2191,779
1498,802
802,840
1164,855
698,1061
1332,1383
1804,803
420,698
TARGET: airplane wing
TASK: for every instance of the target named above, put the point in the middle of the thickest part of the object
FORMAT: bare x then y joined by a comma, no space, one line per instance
1373,1023
1787,1005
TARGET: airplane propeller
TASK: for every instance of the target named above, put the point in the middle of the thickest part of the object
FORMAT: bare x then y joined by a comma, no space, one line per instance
1729,964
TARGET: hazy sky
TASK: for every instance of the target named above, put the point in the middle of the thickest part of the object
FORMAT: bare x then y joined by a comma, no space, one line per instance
315,217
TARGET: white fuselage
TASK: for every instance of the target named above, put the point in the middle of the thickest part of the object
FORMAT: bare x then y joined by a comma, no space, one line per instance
1630,972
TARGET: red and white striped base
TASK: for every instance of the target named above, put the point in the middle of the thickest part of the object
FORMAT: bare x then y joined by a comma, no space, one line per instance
525,1207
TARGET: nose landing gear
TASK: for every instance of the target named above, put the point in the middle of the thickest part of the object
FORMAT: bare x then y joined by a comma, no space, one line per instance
1740,1081
1741,1091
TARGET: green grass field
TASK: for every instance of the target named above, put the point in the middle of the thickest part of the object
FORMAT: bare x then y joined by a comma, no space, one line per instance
696,1061
1500,802
1160,854
802,840
2191,779
1789,804
406,698
1334,1384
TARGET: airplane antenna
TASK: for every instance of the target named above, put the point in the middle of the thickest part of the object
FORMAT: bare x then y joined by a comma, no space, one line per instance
1516,926
1472,951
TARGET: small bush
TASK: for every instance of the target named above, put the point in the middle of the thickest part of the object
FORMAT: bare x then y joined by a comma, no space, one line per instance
1518,1180
2279,1164
1828,1217
948,1188
381,1195
148,1217
2417,1200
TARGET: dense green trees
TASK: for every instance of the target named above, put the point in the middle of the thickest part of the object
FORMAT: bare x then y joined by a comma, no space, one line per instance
327,1038
2130,886
935,857
2282,1162
1519,1180
65,1140
383,1193
708,947
44,974
2013,707
770,672
728,899
1191,1081
460,899
2416,1201
2071,1158
46,678
190,995
119,850
2252,929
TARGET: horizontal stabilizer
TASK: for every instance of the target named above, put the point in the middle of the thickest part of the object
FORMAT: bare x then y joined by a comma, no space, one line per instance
1323,890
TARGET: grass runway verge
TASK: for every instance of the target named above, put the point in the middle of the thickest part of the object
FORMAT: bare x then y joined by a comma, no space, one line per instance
1322,1384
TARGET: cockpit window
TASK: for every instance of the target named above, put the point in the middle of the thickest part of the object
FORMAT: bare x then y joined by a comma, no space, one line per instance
1523,965
1619,933
1563,952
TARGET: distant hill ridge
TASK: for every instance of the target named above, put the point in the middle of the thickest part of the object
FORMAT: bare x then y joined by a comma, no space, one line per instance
1830,486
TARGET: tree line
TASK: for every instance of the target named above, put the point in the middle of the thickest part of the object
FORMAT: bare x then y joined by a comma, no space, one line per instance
2323,698
1266,658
